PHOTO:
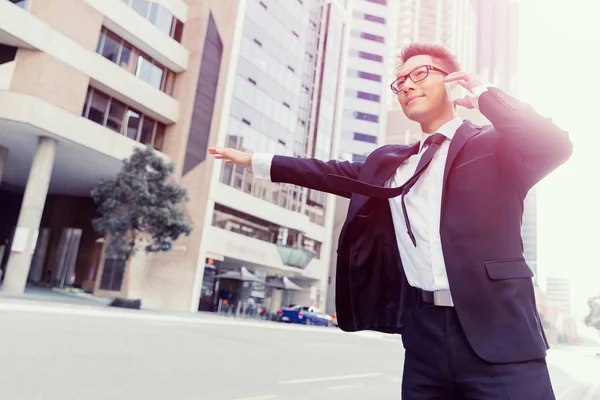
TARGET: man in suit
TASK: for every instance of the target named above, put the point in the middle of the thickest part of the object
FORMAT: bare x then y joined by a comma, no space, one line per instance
431,247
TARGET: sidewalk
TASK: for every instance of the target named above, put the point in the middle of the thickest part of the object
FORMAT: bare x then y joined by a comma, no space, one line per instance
55,295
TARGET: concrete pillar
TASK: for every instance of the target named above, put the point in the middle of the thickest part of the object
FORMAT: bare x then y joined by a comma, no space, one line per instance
30,216
3,155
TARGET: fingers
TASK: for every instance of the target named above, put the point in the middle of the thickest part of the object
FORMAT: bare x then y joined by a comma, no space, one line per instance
464,84
463,102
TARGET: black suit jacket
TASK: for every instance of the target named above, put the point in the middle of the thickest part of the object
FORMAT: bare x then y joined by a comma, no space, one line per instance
488,172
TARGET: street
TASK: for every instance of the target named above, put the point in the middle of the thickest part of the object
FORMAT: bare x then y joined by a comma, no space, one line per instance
54,352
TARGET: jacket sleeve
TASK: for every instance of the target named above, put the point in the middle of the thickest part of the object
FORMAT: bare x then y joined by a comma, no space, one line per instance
310,172
532,145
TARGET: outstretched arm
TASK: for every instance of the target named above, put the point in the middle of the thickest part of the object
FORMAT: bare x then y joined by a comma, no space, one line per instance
305,172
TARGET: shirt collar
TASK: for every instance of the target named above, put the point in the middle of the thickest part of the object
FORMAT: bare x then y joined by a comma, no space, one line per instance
448,130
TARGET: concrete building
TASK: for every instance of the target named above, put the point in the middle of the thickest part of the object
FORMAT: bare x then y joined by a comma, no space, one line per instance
81,90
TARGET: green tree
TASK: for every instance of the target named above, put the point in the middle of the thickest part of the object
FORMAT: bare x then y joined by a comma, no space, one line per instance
140,207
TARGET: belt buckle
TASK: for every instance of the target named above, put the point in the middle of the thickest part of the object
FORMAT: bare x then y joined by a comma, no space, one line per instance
443,298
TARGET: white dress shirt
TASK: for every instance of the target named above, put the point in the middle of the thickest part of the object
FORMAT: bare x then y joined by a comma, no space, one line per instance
424,264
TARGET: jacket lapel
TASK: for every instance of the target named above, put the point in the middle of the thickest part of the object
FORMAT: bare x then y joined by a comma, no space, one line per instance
464,133
379,173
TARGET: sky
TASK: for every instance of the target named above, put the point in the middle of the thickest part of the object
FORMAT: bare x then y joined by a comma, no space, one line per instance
559,57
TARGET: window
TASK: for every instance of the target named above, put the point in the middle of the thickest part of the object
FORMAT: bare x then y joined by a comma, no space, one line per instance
358,158
109,45
141,7
367,96
98,107
364,75
369,17
123,119
132,124
375,38
361,137
116,112
373,18
147,130
158,16
382,2
365,116
370,56
362,95
149,71
117,50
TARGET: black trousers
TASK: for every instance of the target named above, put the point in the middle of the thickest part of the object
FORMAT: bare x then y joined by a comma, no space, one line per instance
440,364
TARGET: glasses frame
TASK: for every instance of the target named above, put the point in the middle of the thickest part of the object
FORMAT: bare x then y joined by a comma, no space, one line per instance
427,67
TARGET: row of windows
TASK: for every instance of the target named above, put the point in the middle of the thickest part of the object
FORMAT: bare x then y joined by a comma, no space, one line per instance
123,119
366,56
120,52
369,17
364,75
362,95
361,116
158,16
367,36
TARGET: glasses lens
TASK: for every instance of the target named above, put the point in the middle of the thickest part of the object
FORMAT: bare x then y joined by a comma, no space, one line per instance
397,85
419,74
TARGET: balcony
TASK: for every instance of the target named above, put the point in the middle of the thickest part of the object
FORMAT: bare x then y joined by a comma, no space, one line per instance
141,33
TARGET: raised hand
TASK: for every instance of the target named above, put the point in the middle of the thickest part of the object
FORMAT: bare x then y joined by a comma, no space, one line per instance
467,80
232,156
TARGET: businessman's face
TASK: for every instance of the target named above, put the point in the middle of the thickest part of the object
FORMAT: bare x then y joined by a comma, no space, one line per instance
426,98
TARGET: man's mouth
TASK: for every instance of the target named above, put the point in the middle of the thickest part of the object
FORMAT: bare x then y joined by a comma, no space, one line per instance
412,98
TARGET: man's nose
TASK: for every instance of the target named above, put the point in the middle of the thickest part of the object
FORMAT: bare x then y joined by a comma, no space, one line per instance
408,86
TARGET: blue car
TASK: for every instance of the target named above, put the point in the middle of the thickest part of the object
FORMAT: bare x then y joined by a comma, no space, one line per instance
304,315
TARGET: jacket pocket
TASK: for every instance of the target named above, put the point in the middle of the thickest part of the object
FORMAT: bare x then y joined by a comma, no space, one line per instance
508,269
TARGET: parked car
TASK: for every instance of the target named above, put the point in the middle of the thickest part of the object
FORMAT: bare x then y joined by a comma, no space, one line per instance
304,315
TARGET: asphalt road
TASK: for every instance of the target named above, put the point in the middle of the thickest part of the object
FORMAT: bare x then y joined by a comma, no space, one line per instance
59,352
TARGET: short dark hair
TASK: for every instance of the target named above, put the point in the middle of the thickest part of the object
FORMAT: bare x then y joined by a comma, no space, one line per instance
440,53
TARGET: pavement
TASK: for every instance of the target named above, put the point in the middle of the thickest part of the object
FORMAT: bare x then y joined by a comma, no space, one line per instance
59,351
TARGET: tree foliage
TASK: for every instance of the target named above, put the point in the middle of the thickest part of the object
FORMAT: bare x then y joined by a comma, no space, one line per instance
140,207
593,319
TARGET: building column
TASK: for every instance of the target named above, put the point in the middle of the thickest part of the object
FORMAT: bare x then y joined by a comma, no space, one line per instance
30,216
3,156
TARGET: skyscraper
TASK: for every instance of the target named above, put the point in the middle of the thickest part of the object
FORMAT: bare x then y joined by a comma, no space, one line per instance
363,126
450,23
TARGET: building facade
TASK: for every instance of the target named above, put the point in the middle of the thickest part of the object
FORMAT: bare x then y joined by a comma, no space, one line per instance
363,126
81,92
364,102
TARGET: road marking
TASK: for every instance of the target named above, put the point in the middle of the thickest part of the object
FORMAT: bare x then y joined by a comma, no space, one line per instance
592,391
327,345
342,387
266,397
329,378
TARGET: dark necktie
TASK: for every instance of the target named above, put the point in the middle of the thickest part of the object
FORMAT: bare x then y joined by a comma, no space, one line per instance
432,144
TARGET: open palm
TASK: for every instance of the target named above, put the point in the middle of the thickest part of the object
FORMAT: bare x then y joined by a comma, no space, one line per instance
232,156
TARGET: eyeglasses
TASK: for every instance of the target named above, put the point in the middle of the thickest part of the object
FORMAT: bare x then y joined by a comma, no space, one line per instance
416,75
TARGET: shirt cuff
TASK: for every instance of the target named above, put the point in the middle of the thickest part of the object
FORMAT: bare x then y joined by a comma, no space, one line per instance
261,165
476,92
